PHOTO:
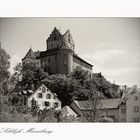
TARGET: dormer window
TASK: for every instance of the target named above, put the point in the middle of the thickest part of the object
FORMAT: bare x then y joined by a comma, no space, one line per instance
43,89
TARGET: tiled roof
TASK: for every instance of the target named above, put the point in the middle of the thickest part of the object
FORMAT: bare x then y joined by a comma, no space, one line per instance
110,103
105,103
83,105
66,110
66,45
75,55
45,53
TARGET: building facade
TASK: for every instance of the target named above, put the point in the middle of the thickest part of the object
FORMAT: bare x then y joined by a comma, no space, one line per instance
60,56
44,98
133,107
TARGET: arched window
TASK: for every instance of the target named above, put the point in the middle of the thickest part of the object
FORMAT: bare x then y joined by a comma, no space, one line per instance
40,95
48,96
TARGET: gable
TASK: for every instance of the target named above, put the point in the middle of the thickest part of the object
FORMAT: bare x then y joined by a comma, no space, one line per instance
54,40
30,54
68,38
55,35
44,90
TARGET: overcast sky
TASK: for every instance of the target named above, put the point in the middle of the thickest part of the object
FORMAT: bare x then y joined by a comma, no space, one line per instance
112,45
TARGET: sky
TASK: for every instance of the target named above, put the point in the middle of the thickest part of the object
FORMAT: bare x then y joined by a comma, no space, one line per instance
112,45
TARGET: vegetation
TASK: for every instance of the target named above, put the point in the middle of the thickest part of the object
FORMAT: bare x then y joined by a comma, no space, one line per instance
79,85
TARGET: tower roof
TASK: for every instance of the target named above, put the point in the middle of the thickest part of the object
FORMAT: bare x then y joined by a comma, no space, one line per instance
66,45
30,54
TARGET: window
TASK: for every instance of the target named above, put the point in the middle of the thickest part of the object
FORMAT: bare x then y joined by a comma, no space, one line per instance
136,109
40,95
136,119
55,104
123,111
136,98
48,96
47,103
65,61
33,102
123,120
49,60
43,89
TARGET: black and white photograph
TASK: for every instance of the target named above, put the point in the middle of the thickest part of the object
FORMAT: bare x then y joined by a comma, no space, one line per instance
70,70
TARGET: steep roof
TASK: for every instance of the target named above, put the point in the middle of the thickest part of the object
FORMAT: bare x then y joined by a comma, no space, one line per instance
66,110
66,45
75,55
68,37
82,104
30,54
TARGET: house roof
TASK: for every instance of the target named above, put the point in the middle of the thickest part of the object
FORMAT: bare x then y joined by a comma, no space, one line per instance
110,103
66,110
45,86
20,89
82,104
66,45
105,103
45,53
75,55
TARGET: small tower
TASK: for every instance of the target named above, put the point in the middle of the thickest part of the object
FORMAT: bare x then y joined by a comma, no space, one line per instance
30,54
65,54
67,37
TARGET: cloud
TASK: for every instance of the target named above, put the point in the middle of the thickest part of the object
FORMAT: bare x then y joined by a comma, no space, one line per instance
120,64
14,60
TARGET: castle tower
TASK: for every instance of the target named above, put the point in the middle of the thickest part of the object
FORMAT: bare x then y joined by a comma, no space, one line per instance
62,46
59,57
65,54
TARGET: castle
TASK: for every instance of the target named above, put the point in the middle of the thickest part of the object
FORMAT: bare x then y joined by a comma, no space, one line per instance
60,56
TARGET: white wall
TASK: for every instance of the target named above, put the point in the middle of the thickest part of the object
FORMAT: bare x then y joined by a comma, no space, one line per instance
130,104
40,101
